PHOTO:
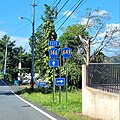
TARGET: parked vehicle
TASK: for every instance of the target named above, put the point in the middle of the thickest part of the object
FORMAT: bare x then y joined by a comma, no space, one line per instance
24,82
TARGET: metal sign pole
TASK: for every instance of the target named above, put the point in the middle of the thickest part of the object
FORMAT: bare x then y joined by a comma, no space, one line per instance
53,84
66,80
60,77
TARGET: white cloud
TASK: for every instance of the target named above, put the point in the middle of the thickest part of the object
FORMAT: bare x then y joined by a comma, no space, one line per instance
85,20
99,13
68,13
21,41
90,21
2,33
114,43
109,28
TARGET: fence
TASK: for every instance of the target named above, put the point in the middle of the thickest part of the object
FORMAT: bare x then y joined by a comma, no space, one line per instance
104,76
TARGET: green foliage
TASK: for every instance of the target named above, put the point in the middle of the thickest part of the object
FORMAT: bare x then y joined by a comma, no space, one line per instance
71,38
44,33
14,54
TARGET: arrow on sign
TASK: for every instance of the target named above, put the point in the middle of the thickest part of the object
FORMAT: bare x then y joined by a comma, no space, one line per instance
53,63
61,81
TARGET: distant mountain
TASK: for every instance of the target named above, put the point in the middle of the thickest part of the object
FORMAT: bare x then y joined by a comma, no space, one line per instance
113,59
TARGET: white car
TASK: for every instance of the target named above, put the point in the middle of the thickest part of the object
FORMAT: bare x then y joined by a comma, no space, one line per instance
24,82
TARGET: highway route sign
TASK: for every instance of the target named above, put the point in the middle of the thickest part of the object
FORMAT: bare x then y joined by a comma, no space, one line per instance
66,52
53,43
53,52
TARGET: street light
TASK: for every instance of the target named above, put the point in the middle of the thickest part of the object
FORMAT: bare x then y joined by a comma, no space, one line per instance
25,18
32,70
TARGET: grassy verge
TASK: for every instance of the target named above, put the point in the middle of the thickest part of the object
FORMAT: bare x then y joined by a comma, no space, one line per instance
70,110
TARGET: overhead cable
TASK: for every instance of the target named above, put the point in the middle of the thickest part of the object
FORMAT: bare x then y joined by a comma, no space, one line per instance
67,12
71,14
53,3
58,3
63,6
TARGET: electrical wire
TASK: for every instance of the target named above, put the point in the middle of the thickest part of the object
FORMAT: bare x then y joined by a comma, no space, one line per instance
58,3
63,6
53,3
70,14
67,12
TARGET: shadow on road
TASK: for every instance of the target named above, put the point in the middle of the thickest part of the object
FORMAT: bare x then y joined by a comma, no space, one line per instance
6,93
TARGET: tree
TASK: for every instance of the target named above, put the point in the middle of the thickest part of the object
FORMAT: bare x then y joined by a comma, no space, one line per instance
45,33
94,23
14,54
70,37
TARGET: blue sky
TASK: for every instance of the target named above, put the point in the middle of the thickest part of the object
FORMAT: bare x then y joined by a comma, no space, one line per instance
20,30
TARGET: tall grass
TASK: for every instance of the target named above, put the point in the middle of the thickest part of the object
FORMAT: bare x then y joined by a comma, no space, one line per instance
70,110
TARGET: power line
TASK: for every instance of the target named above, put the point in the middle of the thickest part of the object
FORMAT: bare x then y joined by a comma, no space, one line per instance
19,29
53,3
67,12
70,14
58,3
63,6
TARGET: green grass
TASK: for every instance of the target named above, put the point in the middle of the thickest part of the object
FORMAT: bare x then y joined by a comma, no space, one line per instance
70,110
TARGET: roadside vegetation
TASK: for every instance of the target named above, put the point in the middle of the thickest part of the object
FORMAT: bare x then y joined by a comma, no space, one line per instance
72,110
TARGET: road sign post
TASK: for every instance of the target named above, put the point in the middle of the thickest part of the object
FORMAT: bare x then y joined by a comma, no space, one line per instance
66,80
53,53
66,52
60,77
53,63
53,84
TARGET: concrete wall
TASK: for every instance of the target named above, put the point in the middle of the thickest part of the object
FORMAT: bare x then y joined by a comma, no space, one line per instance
99,104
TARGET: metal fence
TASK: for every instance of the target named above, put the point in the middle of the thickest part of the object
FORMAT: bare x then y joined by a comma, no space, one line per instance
104,76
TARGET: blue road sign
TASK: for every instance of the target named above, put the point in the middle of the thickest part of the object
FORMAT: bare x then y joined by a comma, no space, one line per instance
53,43
59,81
53,52
41,84
53,63
66,52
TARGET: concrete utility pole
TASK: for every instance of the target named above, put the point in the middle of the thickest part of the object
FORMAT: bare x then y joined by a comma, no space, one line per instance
33,40
5,59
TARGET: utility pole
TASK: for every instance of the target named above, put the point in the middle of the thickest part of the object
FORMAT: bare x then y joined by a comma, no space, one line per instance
5,59
33,40
19,65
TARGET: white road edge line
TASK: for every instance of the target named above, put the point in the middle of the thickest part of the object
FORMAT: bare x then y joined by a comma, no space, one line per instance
36,108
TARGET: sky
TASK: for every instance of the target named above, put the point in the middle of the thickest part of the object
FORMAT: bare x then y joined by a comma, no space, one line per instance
20,30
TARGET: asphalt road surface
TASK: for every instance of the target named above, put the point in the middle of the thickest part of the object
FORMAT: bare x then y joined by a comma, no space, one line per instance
13,108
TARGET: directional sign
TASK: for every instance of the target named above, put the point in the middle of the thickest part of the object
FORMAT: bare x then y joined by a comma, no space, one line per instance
53,63
53,52
53,43
41,84
60,81
66,52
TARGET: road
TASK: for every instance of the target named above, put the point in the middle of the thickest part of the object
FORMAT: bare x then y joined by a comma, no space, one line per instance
13,108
